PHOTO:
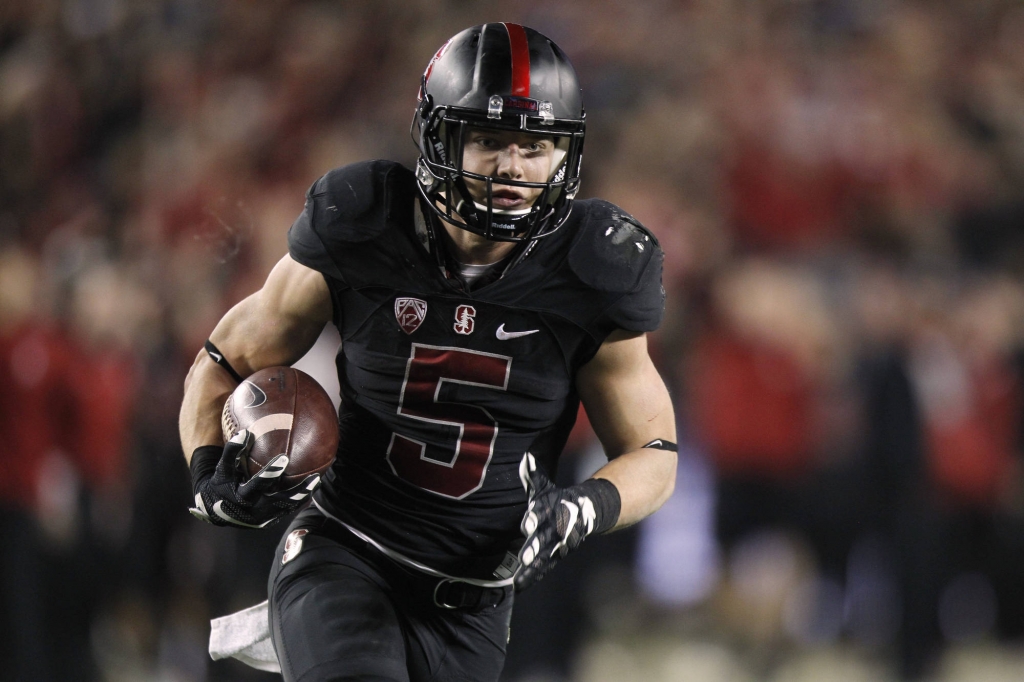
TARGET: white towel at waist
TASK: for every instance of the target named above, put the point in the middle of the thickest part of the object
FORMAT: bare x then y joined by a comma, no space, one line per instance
245,635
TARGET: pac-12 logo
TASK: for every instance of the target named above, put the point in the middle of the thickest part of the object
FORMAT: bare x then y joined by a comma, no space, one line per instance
464,315
410,313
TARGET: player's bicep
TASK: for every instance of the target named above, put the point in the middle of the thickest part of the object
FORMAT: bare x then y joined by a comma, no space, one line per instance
626,400
278,324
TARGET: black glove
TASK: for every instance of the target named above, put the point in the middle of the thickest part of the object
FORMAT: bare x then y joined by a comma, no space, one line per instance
557,519
223,499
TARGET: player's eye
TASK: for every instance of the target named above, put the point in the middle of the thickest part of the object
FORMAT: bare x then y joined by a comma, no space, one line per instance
485,142
538,146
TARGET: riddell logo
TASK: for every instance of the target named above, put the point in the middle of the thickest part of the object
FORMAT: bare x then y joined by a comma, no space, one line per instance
464,322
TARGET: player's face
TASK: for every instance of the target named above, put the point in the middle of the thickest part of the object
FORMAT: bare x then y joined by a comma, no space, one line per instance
507,155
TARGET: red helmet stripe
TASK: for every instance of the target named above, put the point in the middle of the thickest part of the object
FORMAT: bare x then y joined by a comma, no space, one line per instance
520,60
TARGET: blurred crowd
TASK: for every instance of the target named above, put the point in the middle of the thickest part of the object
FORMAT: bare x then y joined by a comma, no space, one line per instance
839,189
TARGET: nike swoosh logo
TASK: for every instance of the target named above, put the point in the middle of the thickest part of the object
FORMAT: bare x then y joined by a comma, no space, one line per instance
256,395
574,513
505,336
221,514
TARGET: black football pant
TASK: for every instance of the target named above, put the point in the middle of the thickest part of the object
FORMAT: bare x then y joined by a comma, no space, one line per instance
340,610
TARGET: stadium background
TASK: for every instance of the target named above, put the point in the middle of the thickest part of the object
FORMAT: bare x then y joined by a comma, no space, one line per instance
839,189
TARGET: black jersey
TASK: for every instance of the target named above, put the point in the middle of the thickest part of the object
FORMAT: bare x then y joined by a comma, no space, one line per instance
444,390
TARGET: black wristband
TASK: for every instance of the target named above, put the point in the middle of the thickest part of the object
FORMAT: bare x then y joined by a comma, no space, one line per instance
204,463
606,499
219,358
662,444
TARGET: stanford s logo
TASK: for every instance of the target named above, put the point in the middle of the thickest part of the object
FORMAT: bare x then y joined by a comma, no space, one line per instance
410,313
464,315
293,545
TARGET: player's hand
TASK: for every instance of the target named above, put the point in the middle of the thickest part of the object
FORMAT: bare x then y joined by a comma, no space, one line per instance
558,519
222,498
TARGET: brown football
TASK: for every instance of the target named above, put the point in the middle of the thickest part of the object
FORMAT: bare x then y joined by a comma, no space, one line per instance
288,413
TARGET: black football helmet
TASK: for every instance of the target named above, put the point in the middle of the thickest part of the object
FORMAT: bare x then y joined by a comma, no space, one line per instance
506,77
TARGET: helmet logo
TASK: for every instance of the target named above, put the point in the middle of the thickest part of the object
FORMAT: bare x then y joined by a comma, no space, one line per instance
410,313
433,60
464,322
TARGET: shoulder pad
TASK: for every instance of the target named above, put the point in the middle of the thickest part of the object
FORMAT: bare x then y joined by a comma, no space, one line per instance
349,204
612,249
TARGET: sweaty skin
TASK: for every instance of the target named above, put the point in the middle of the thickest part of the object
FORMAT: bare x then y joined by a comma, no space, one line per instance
275,326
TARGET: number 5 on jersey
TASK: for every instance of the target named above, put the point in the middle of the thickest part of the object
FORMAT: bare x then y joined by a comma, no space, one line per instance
458,467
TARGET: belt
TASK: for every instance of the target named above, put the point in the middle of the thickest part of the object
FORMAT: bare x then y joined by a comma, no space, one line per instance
452,593
446,592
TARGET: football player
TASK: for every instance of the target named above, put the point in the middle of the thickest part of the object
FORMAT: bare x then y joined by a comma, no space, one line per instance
478,304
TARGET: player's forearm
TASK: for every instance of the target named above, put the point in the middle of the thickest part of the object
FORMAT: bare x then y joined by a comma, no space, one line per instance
206,388
275,326
645,479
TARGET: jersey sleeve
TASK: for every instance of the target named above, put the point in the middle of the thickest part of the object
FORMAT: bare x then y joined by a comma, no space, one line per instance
620,260
345,207
642,309
305,245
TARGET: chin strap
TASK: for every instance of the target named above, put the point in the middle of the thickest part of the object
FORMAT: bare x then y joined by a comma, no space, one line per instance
427,226
519,254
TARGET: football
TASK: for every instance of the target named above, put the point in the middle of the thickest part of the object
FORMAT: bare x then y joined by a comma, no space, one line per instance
288,413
